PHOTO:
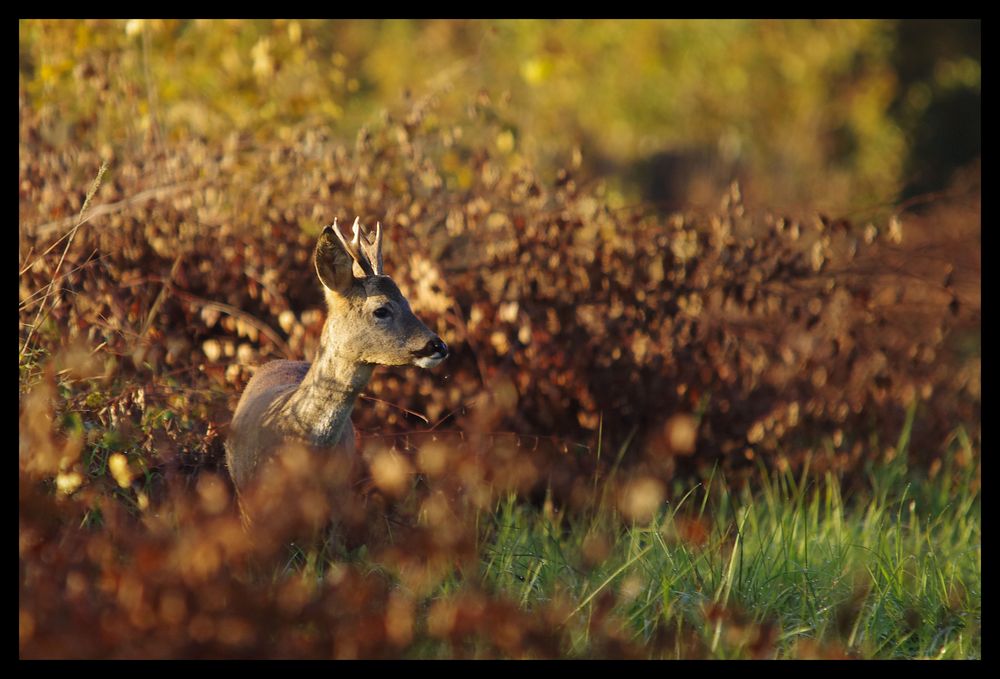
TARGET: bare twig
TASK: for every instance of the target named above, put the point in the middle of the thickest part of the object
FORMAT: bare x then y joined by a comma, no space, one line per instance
261,326
452,412
559,441
43,230
397,407
90,194
31,299
164,291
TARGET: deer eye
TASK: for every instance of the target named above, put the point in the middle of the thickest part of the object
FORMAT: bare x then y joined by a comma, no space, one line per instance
383,312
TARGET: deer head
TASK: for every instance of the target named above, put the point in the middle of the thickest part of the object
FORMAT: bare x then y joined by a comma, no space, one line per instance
369,320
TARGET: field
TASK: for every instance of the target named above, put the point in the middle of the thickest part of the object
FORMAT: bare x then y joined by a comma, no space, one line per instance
747,428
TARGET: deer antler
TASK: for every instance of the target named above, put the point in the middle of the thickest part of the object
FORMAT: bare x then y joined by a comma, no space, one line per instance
371,244
353,249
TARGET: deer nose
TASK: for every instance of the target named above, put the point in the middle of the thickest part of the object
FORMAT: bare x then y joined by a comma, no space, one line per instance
437,347
433,349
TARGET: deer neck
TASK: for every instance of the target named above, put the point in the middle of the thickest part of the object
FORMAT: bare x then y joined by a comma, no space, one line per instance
323,402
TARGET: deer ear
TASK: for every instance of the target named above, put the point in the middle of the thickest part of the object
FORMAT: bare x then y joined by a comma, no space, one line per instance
333,262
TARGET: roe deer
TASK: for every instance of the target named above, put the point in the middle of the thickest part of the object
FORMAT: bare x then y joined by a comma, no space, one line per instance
369,322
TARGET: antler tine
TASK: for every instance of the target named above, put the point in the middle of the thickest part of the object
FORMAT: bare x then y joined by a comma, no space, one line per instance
372,245
362,240
353,249
355,228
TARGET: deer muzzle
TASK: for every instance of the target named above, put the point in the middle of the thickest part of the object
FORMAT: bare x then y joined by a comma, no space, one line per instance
431,354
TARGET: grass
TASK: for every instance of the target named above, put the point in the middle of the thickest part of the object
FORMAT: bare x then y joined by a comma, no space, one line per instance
790,570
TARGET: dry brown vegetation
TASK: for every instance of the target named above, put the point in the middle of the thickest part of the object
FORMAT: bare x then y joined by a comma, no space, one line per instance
682,340
777,331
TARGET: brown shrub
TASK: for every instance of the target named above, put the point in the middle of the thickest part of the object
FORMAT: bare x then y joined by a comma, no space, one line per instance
774,332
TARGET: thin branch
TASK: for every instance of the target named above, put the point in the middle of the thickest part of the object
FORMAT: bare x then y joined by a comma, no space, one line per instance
90,194
161,296
43,230
397,407
32,298
451,413
261,326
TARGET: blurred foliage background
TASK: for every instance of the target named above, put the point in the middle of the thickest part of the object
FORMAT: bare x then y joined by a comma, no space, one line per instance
834,115
561,210
509,157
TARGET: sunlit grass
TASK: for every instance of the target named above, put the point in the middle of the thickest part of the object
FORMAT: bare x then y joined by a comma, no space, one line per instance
895,574
787,567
